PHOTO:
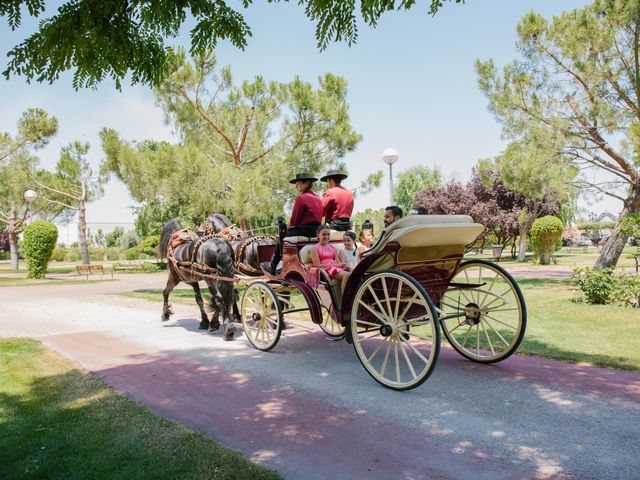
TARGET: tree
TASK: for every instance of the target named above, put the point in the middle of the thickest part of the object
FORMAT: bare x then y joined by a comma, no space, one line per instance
115,38
574,94
233,138
412,181
112,239
72,186
17,161
541,179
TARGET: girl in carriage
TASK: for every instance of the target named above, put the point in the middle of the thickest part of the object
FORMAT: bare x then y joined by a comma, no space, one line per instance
328,258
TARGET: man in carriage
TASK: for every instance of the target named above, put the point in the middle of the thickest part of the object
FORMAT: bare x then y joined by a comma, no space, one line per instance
306,216
337,202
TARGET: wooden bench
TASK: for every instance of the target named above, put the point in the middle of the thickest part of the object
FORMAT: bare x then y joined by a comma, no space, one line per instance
91,270
129,265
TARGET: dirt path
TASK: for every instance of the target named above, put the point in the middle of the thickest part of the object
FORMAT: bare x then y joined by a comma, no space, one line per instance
309,409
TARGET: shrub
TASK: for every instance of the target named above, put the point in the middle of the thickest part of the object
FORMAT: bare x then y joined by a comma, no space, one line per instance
598,285
627,292
39,241
545,233
59,253
147,248
129,240
113,239
73,254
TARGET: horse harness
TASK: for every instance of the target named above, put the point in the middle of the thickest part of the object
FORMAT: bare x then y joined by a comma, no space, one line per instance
191,267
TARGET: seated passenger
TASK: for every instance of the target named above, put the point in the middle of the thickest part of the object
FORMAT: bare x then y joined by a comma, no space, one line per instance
337,201
391,214
325,256
366,238
305,216
350,252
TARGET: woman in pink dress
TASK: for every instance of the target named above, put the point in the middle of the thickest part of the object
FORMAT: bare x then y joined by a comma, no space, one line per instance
328,258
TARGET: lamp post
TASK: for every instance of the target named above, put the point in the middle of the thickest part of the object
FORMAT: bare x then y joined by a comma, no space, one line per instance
390,156
30,196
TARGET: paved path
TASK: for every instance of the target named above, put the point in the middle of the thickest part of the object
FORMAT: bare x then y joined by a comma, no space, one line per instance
310,410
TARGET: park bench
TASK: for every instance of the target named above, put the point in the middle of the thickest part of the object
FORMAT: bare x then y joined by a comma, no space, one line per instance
91,270
129,265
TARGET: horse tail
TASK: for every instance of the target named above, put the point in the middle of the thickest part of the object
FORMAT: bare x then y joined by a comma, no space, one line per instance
167,229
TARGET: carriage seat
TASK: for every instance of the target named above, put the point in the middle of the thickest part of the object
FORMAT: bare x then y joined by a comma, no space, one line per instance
305,259
334,237
300,239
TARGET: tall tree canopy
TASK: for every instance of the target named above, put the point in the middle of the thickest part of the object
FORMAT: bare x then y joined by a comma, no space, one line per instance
412,181
72,186
575,96
240,144
17,165
114,38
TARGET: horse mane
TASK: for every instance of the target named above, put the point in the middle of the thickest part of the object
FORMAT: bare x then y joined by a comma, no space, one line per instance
167,229
218,222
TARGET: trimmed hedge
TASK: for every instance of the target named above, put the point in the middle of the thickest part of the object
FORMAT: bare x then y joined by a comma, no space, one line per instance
545,233
39,241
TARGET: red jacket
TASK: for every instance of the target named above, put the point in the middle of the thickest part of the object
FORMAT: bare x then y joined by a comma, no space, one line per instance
306,209
337,202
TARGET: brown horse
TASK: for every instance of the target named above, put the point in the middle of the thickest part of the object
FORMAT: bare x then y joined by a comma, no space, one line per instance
215,254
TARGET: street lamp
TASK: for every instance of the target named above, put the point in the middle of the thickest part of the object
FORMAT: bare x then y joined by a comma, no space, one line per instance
390,156
30,196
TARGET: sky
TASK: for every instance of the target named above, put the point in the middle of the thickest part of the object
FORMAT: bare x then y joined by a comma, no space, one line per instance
412,86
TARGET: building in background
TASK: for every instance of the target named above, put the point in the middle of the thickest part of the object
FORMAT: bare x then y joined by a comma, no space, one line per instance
68,233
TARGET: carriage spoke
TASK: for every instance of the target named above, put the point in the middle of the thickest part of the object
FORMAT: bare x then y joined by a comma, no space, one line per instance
386,297
375,297
498,297
466,336
397,360
369,324
486,335
416,351
375,352
411,302
413,334
501,322
415,321
386,358
398,300
496,332
406,359
376,314
488,289
492,310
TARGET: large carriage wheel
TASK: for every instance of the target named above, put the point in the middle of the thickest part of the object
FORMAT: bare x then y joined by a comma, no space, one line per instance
395,329
261,316
329,326
484,315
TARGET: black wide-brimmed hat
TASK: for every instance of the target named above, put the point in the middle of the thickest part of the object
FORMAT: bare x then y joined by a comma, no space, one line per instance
303,177
334,174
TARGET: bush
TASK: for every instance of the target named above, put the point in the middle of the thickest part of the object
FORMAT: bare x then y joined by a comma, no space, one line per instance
129,240
39,241
73,254
603,286
596,284
147,248
545,233
59,253
113,239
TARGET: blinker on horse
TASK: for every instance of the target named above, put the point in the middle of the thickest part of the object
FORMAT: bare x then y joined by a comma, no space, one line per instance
215,254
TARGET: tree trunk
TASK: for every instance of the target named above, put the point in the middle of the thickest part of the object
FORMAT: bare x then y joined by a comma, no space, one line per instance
13,248
522,243
82,232
612,250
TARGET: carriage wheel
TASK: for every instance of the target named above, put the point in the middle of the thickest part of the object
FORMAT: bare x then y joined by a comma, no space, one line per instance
261,316
329,326
395,330
486,321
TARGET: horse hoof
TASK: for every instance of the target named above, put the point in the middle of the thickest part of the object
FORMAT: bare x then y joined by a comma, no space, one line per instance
214,328
164,318
203,326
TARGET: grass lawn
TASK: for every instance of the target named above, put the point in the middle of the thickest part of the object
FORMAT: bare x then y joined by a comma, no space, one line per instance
22,282
59,423
557,327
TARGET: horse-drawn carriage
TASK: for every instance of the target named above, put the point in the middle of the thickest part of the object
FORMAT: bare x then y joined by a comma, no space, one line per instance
411,284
